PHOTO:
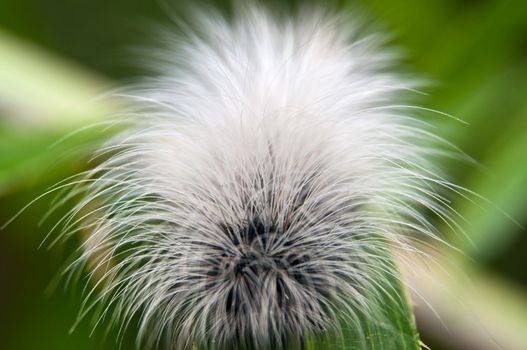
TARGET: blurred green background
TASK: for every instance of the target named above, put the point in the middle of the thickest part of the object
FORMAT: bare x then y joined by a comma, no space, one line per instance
57,55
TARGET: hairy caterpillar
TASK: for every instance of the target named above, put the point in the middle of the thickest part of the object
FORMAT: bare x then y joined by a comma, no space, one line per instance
262,172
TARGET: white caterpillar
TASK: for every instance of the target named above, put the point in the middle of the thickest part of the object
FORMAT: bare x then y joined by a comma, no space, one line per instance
260,174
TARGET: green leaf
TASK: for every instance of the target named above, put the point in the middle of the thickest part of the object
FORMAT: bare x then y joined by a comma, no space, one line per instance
45,102
395,329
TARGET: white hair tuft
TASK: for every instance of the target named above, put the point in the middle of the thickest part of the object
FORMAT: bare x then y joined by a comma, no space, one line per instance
260,174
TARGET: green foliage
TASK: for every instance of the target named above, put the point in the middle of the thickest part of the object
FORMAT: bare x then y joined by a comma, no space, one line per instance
394,330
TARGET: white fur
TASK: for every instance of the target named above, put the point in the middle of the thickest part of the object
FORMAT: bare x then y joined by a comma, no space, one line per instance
290,133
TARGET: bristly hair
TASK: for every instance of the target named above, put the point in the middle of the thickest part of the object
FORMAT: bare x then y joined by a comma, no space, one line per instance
261,172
